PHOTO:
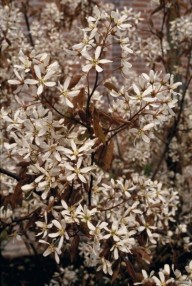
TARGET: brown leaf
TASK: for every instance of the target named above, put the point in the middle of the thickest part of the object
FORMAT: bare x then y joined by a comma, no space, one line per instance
23,170
34,217
82,116
74,248
15,199
84,229
145,256
104,156
97,128
74,81
108,117
115,273
110,86
78,101
131,270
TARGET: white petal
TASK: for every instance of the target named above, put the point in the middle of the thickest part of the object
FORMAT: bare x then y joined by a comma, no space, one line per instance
136,89
116,255
73,93
81,178
43,56
37,71
57,258
86,169
162,276
104,61
66,83
87,68
79,162
57,156
148,90
98,68
49,74
69,103
47,252
52,235
64,204
148,126
56,223
90,225
39,178
14,81
145,138
40,89
71,177
97,52
28,187
73,145
31,81
141,228
67,151
69,167
86,55
149,99
17,75
61,242
50,83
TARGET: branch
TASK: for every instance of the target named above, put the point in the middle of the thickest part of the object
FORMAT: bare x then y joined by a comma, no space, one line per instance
90,96
91,183
27,24
173,131
62,115
10,174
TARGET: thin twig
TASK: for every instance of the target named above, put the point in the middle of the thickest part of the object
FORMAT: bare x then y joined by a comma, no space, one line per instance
173,131
10,174
27,24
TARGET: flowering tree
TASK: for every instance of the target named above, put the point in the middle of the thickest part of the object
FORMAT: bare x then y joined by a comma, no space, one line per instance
96,159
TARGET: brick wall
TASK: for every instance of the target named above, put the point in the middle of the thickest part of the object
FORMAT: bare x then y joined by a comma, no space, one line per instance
142,6
138,6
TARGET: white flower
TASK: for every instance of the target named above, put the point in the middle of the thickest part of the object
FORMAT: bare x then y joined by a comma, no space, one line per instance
85,215
189,269
123,245
161,281
19,80
126,187
76,152
141,132
116,231
123,41
77,172
52,150
147,227
94,62
51,249
70,214
96,230
44,226
146,278
142,95
106,266
26,63
125,64
120,21
61,226
86,43
5,213
42,80
65,93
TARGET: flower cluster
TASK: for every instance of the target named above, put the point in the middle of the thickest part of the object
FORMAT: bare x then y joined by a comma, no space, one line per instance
83,139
